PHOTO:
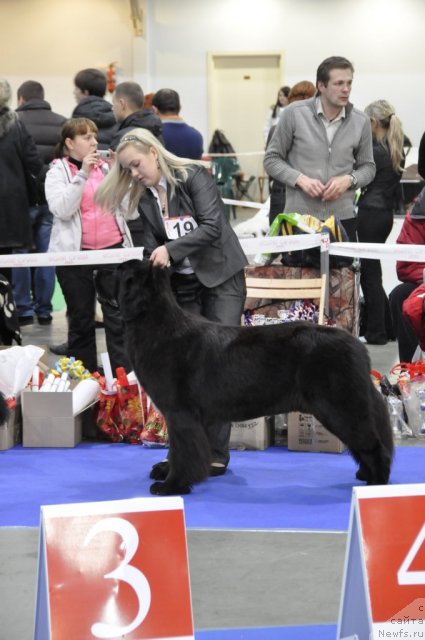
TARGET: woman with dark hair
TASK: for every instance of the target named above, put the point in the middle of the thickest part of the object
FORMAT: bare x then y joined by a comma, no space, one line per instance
276,110
80,224
184,227
376,207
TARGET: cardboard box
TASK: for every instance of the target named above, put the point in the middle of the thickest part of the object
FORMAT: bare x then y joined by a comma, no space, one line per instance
251,434
305,433
48,420
11,431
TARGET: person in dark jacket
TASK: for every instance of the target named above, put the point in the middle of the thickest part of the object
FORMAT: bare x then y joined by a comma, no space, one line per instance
89,91
44,126
185,226
19,165
179,137
376,206
130,113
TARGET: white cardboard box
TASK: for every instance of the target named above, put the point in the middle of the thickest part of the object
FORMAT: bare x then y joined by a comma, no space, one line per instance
251,434
305,433
48,419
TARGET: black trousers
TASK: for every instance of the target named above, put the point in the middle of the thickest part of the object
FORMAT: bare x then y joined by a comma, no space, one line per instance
406,337
78,288
223,304
374,225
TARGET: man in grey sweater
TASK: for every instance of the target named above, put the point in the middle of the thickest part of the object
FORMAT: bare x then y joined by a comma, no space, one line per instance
322,148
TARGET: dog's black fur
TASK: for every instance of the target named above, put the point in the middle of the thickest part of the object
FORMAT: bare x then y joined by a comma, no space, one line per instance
200,373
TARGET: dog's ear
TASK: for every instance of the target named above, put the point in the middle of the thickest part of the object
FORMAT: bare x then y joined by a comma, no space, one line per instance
134,292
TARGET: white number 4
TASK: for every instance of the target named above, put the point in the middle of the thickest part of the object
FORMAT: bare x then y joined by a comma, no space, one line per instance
125,572
404,576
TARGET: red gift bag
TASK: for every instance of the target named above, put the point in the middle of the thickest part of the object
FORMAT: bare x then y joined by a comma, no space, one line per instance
154,433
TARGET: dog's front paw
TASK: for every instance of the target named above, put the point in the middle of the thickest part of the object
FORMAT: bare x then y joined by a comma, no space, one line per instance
160,470
168,489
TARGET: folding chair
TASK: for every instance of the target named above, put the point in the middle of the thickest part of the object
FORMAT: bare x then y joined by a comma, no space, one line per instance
289,289
242,187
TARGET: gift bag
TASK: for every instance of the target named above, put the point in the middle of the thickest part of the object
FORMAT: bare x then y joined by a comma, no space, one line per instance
108,419
154,433
130,411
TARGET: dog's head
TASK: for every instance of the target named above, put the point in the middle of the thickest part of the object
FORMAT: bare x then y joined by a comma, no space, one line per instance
132,286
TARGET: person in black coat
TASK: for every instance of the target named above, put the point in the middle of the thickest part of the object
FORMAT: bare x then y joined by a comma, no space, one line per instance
19,164
127,105
376,207
33,295
89,91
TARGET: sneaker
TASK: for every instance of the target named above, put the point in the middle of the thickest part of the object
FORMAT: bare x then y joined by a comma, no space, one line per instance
59,349
44,320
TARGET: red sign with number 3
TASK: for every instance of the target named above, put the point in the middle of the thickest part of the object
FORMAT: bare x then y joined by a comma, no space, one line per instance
118,574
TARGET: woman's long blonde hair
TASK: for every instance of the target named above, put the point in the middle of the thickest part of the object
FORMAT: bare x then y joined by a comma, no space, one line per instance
119,183
384,114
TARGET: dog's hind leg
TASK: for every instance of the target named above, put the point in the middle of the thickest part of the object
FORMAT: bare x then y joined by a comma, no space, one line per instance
365,429
188,457
375,465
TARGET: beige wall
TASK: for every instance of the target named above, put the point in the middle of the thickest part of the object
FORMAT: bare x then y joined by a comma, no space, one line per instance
49,40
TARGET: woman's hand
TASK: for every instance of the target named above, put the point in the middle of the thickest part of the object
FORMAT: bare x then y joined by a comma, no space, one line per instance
160,257
90,161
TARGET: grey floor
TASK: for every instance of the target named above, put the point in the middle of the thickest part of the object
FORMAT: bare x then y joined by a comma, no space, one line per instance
238,578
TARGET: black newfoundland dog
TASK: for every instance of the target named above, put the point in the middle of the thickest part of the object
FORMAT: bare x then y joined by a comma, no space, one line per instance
200,373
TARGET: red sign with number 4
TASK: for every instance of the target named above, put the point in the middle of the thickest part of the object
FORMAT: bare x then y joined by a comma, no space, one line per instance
383,593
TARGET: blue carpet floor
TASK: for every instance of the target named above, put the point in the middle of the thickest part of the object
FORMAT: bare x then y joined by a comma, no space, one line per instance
272,489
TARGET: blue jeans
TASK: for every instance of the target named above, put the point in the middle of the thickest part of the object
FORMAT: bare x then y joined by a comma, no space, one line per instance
35,296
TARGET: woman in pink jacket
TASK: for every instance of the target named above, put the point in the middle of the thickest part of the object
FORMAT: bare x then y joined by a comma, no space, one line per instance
80,225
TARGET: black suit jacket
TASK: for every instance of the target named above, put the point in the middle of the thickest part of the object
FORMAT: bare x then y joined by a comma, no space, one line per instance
213,248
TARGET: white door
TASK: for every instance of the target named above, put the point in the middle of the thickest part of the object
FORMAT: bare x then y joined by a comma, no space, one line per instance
242,88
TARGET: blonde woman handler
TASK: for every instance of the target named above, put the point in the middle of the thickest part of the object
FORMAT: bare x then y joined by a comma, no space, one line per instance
185,227
80,225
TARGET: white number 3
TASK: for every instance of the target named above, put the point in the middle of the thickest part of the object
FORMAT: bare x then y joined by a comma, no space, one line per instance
125,572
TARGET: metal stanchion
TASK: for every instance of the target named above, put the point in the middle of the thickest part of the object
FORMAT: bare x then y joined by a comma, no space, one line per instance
324,265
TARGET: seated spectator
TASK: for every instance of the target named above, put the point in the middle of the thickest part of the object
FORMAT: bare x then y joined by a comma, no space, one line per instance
411,276
89,92
130,113
179,138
